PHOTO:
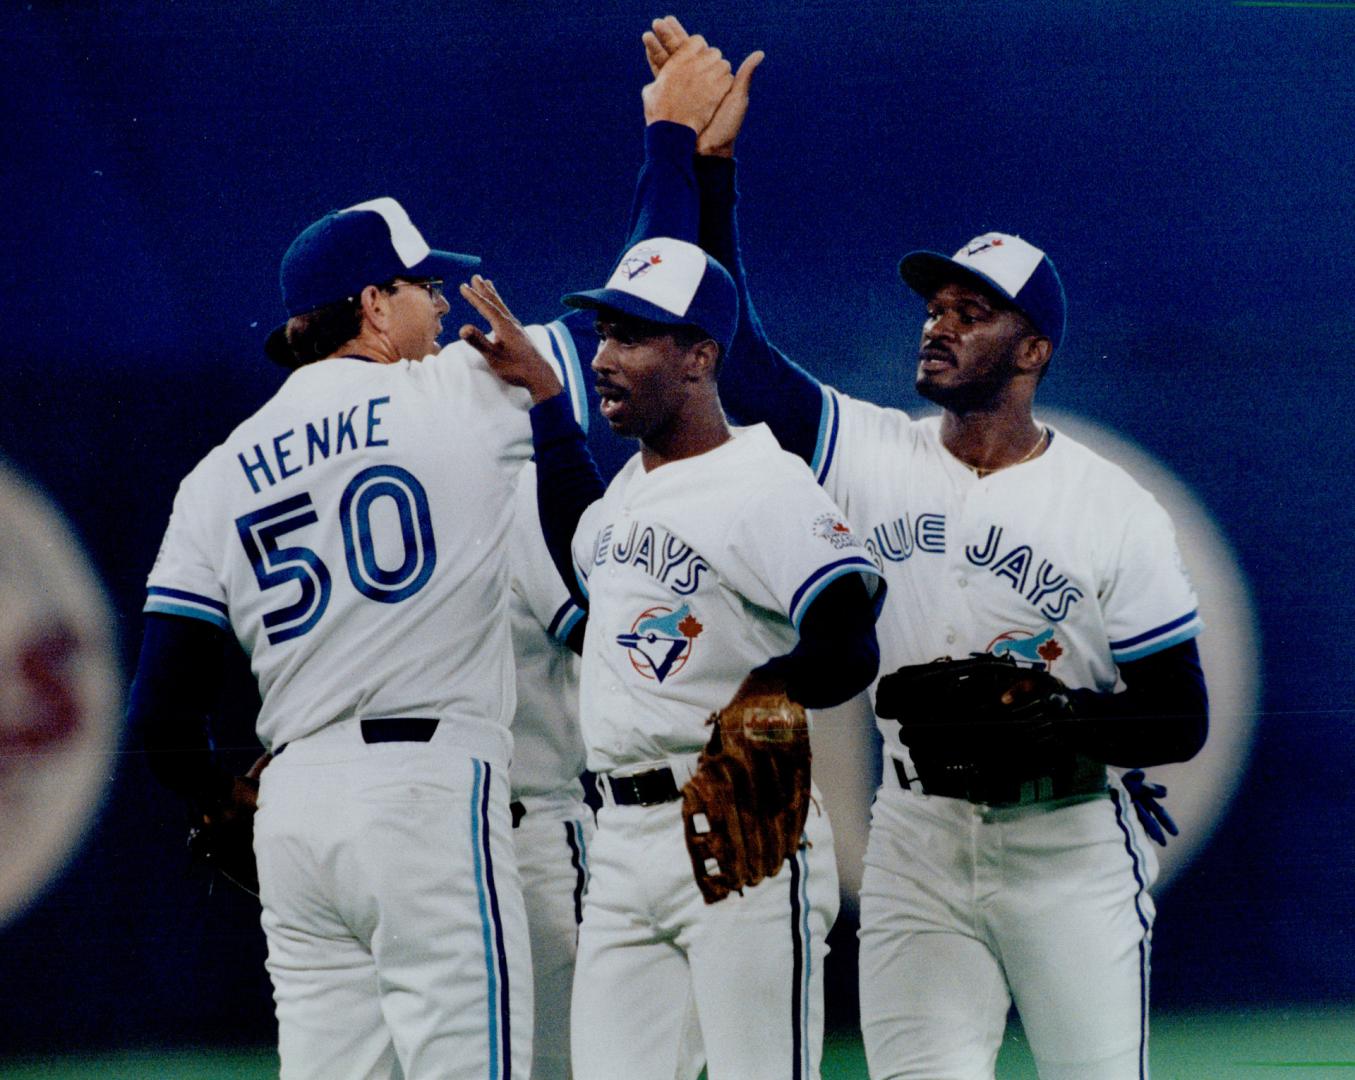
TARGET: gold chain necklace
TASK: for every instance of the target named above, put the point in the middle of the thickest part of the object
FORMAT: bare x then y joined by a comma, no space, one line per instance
1039,444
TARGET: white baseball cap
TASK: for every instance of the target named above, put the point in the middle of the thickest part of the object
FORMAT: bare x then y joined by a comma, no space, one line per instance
669,281
1016,270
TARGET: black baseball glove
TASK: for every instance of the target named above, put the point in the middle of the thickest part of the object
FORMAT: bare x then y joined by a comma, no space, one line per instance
222,839
981,709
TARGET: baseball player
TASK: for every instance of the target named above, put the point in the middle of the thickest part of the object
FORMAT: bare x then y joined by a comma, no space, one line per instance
998,535
701,565
352,536
552,824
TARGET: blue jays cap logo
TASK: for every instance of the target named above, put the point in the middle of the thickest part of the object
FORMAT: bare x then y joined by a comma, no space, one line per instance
1039,650
660,641
983,243
639,261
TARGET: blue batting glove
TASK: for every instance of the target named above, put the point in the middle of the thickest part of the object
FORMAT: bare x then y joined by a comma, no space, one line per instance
1153,815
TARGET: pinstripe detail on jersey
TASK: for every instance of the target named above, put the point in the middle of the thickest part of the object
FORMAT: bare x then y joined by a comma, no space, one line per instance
1161,637
500,1043
820,579
571,371
578,858
564,621
163,601
1136,862
826,446
801,961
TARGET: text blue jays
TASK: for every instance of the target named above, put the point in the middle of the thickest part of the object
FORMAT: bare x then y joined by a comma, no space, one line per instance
655,551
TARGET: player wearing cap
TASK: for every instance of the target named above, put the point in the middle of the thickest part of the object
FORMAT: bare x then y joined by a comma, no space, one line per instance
984,883
713,568
351,535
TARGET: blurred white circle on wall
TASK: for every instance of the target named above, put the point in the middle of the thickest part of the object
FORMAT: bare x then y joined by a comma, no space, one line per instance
60,692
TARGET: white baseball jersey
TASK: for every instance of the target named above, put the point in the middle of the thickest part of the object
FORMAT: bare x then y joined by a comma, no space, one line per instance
1063,561
351,534
696,573
547,748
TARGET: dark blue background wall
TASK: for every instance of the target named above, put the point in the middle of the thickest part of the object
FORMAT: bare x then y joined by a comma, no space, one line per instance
1190,166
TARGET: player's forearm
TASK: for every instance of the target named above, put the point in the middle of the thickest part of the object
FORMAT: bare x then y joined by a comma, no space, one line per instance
176,681
666,200
837,655
1161,716
758,383
567,483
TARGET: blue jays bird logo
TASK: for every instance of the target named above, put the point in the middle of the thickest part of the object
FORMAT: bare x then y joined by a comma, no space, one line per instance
1039,650
983,244
660,641
639,262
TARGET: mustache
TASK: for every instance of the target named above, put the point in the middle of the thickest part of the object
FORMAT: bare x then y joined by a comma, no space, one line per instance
936,352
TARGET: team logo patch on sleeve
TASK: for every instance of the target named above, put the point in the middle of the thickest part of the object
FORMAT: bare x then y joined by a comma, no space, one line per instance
660,641
837,532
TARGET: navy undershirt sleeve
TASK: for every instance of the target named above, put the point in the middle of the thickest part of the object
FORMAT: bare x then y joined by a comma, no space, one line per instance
178,677
758,382
567,483
837,655
1162,715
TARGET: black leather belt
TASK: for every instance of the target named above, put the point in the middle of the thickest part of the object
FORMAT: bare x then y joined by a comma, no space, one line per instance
643,789
378,729
518,811
980,786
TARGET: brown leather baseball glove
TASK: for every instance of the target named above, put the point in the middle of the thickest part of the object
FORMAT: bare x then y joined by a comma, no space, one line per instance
744,808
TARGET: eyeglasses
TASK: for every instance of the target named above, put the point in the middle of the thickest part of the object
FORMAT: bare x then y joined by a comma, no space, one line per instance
433,287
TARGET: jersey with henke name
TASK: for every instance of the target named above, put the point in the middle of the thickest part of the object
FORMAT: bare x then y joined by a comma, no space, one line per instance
352,535
697,572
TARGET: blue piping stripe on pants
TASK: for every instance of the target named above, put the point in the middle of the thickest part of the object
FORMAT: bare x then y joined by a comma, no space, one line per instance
1136,862
500,1063
801,962
578,858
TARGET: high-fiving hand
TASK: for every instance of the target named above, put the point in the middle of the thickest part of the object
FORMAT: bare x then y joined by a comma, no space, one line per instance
667,42
509,352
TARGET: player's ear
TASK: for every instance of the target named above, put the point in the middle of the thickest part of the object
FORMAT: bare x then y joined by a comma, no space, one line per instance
375,306
1034,353
704,360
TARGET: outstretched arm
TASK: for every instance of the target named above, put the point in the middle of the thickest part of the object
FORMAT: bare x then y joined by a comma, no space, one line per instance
758,382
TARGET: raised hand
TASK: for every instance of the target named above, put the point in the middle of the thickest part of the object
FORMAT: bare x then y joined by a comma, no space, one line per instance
693,81
510,352
716,138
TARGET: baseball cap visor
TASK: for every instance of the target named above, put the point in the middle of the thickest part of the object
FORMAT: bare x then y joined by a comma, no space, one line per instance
926,271
1041,298
627,304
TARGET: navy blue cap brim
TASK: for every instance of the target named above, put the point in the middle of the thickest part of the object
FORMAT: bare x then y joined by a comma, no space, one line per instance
275,347
448,265
626,303
926,271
